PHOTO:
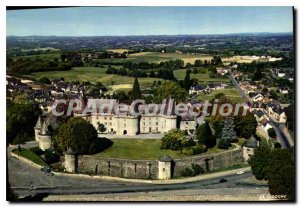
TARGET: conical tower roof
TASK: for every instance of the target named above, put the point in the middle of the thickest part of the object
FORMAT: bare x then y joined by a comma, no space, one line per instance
165,158
44,129
39,122
70,151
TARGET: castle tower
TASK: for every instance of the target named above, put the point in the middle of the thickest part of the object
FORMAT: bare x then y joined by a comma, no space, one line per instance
164,167
44,137
70,160
37,128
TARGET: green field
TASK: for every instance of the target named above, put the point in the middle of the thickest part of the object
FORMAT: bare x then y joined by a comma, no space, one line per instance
231,93
157,57
94,74
148,149
202,77
26,153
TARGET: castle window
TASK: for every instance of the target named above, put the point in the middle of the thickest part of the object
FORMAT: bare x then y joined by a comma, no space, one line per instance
110,118
156,123
105,118
164,169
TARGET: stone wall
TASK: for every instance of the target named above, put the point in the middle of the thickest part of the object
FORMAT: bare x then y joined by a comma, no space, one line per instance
144,169
118,167
209,162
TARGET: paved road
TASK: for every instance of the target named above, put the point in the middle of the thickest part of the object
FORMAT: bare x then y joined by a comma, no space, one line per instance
242,93
22,176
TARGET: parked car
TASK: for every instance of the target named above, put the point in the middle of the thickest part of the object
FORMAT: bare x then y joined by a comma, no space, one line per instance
43,168
240,172
49,173
223,180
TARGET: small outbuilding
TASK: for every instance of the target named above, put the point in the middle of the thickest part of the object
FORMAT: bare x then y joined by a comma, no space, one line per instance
248,148
164,167
70,160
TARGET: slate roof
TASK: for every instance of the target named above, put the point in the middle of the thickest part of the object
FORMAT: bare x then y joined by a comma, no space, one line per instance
251,143
165,158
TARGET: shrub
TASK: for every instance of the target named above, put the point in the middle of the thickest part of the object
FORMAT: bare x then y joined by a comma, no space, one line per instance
174,140
197,169
277,145
194,150
187,172
224,144
51,156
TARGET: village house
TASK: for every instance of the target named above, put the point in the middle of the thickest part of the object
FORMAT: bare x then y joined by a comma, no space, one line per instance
275,112
198,89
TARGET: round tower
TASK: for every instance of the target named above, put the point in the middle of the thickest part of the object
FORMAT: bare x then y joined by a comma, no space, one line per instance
133,126
164,167
37,128
248,148
44,137
70,160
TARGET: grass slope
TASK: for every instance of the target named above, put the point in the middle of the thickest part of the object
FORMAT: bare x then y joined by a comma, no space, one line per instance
147,149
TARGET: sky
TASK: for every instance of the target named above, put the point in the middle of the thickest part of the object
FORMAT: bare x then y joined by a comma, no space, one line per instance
120,21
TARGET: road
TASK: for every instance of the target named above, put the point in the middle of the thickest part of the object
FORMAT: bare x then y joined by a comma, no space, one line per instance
22,176
242,93
282,135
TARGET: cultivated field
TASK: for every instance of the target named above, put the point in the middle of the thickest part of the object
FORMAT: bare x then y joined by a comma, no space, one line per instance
117,82
156,57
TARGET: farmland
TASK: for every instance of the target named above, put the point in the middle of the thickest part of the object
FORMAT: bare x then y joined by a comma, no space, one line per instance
117,82
156,57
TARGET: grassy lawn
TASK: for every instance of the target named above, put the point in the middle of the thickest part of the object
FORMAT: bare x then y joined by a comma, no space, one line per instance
202,77
31,156
231,93
148,149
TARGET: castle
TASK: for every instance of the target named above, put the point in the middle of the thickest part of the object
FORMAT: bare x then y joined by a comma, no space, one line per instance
122,123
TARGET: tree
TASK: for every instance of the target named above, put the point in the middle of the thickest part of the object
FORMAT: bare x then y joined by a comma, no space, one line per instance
174,140
205,136
290,113
44,80
171,90
245,126
224,143
277,166
272,133
101,127
228,131
187,80
259,161
281,173
76,133
136,91
20,121
217,123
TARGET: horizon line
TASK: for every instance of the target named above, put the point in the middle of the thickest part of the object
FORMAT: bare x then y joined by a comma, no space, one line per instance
136,35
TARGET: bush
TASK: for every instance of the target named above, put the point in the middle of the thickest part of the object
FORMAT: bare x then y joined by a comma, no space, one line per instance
272,133
187,172
197,169
277,145
224,144
175,140
194,150
51,156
